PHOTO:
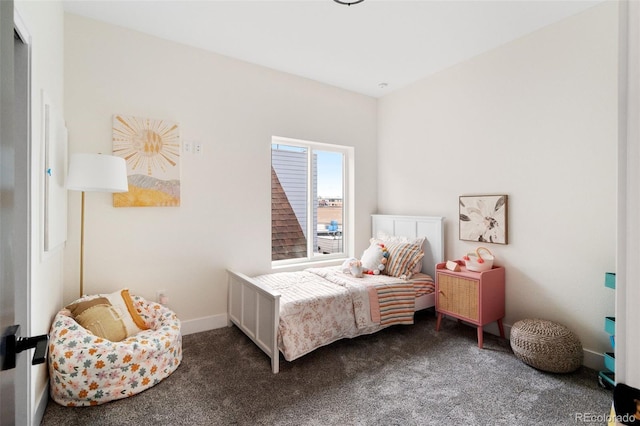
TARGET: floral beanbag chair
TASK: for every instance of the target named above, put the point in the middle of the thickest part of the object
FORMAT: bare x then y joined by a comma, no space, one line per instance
85,369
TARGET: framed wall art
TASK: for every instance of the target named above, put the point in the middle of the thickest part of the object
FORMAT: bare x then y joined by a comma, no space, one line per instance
151,149
55,171
483,218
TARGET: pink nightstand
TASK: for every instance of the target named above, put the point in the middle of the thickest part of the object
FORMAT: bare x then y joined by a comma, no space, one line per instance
473,297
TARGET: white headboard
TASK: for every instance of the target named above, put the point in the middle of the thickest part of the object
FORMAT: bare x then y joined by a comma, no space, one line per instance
431,227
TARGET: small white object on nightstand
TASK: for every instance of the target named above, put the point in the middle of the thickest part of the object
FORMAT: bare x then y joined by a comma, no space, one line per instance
453,266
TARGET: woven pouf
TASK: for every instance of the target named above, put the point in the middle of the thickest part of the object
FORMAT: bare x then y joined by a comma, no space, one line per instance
546,345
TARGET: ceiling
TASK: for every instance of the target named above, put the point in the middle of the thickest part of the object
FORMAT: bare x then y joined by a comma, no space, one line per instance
371,48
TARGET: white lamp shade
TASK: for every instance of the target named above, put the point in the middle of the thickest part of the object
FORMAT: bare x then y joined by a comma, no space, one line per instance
97,173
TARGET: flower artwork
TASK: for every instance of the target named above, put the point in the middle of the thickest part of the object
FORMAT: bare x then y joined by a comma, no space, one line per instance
483,218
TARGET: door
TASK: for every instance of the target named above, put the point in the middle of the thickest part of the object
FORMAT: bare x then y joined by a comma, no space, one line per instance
7,210
15,190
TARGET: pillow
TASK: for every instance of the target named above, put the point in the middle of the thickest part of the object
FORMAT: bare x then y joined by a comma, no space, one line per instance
387,239
373,258
403,259
110,316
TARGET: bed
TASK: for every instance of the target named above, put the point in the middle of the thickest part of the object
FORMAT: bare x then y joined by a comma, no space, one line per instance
297,312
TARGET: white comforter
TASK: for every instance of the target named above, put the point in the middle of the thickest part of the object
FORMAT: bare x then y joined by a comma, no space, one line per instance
321,305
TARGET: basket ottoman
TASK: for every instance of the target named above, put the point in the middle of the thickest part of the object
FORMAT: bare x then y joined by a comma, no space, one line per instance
546,345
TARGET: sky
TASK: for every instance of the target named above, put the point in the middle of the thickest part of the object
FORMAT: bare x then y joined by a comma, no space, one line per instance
329,174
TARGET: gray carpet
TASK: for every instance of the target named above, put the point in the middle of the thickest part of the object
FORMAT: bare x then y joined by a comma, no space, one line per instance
404,375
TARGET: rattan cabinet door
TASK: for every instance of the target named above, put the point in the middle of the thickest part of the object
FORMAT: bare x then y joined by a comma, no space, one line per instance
458,296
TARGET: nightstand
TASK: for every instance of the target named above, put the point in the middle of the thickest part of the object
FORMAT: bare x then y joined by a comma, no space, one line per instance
473,297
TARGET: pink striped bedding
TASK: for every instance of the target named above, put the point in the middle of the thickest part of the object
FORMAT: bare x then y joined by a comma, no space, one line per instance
395,303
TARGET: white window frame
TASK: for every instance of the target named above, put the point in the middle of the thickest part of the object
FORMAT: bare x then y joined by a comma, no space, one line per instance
348,228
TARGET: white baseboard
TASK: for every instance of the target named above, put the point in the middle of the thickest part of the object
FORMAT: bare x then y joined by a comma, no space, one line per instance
591,359
204,324
41,406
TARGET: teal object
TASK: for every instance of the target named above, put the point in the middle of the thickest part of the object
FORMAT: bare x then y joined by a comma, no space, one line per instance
610,325
610,361
610,280
607,379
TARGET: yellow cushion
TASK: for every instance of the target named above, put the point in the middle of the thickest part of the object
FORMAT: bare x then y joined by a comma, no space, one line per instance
111,316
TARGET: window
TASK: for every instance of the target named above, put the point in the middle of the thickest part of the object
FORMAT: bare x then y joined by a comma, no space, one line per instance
309,200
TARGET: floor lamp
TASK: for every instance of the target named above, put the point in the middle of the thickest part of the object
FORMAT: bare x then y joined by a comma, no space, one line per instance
95,173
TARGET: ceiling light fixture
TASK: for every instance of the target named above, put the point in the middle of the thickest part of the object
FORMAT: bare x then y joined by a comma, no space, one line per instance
348,3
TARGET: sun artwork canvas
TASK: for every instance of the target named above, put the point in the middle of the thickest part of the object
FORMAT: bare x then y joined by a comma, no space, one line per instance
151,149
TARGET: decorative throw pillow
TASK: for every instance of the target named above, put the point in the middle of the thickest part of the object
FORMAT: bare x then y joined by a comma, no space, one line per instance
387,239
110,316
373,259
403,259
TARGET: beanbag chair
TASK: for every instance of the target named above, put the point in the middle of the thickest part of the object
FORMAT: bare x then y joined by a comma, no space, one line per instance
86,368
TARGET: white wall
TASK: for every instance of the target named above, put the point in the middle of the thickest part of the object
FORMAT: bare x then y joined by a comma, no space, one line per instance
535,119
233,109
44,21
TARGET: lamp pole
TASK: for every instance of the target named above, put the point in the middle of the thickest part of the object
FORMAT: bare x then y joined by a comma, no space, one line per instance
94,173
82,246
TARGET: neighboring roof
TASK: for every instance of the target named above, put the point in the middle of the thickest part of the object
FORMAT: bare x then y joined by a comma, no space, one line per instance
287,239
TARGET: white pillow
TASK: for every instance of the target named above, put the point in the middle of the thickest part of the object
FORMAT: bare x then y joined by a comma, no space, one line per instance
386,239
372,257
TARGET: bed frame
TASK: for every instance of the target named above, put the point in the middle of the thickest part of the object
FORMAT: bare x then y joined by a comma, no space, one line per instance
255,309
